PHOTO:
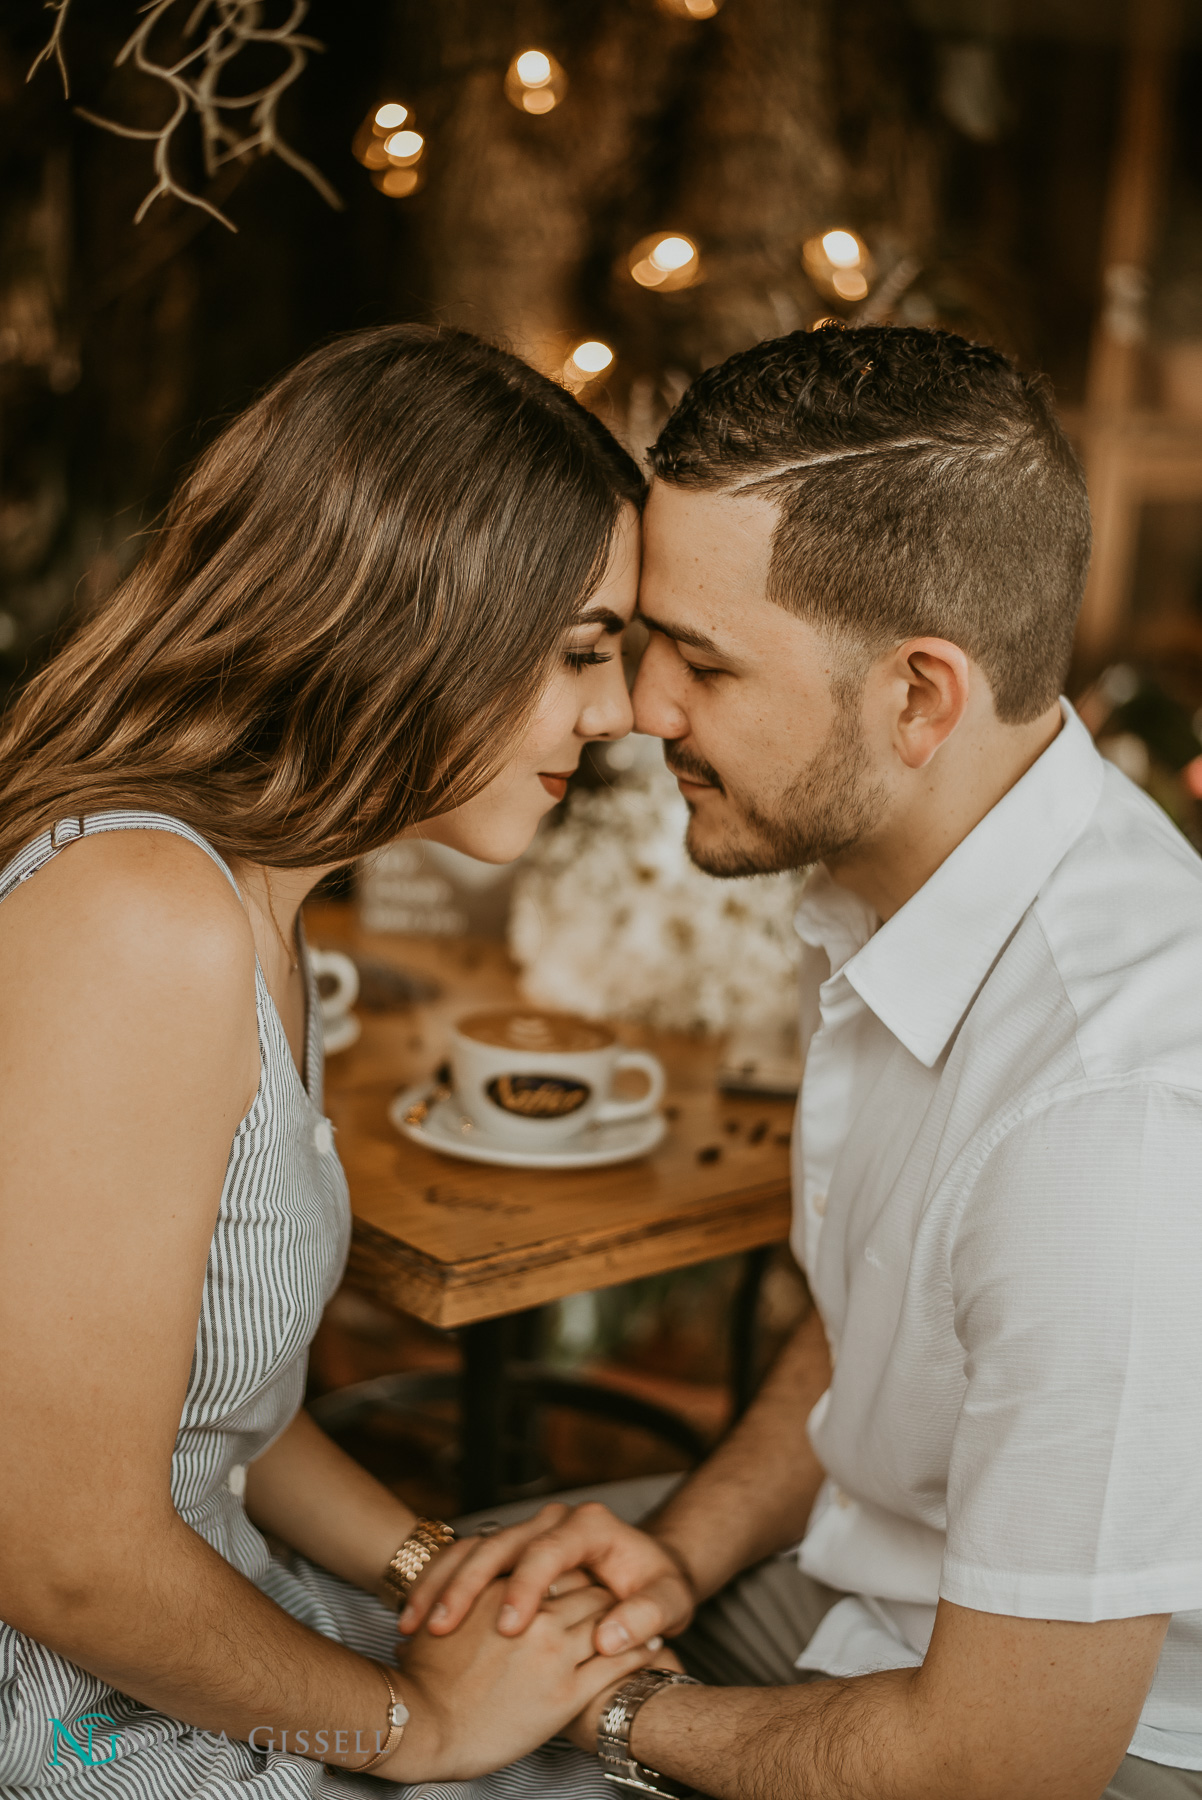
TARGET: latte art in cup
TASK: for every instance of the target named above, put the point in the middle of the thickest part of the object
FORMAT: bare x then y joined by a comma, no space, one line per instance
530,1078
532,1030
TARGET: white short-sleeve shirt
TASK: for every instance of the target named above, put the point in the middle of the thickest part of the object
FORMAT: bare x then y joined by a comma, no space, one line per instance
998,1203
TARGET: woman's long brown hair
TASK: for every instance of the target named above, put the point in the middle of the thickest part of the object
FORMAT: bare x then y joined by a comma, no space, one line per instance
349,612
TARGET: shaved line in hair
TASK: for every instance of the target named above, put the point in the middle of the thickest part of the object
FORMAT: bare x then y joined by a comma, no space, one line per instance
763,476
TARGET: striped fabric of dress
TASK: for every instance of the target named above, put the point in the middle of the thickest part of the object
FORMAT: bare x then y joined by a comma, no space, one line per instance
277,1255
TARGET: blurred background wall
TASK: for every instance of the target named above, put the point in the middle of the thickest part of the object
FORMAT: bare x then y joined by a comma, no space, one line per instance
973,152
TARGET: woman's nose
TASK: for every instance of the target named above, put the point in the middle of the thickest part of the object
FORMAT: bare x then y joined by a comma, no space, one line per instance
608,714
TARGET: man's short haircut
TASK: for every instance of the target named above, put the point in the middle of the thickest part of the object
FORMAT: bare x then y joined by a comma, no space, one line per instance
926,489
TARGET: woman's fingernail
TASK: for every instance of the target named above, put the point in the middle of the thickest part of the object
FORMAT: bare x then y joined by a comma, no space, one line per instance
407,1620
613,1638
507,1618
438,1614
655,1643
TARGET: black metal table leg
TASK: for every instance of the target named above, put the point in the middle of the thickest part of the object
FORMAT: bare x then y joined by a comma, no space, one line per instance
502,1389
482,1406
743,1335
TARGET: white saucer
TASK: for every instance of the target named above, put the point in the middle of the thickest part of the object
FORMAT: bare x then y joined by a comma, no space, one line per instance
442,1129
340,1034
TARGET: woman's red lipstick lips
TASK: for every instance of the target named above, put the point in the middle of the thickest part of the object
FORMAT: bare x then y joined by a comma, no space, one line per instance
556,785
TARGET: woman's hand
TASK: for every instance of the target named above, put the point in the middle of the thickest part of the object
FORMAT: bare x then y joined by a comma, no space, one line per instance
650,1584
426,1602
478,1701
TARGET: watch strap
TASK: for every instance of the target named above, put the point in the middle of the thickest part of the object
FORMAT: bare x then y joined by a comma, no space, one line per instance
613,1734
427,1538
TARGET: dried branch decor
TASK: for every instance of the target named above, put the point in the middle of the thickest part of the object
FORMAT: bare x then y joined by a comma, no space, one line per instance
225,27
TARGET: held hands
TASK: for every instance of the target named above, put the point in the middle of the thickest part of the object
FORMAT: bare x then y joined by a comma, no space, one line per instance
654,1596
478,1701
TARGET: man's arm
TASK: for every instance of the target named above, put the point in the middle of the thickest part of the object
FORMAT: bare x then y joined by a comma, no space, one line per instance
752,1496
1001,1707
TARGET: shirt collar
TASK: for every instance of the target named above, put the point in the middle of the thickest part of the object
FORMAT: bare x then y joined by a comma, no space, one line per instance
920,971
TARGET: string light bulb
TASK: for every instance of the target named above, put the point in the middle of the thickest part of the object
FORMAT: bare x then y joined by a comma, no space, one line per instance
404,148
842,249
398,184
533,68
389,152
535,82
838,264
586,362
666,260
592,357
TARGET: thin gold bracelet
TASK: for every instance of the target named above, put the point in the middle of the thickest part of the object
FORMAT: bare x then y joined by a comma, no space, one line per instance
398,1718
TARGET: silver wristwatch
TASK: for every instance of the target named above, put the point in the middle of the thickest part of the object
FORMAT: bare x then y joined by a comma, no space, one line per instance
613,1734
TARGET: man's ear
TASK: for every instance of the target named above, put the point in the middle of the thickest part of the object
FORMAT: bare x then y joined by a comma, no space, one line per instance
929,682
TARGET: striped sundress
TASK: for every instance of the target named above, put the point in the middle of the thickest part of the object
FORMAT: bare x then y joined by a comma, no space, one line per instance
278,1252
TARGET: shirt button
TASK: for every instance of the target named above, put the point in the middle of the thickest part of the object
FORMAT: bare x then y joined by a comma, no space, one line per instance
819,1205
323,1137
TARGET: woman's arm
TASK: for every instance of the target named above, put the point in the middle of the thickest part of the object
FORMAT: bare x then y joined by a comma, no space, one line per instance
128,1055
313,1496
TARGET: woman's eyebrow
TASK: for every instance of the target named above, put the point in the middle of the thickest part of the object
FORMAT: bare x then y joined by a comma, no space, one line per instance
603,615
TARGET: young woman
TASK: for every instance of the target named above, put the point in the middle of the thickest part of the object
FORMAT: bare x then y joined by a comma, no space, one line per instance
388,600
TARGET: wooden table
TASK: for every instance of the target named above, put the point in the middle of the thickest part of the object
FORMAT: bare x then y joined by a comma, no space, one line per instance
464,1244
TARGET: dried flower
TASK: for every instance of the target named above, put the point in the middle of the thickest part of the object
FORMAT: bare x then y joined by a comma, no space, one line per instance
609,917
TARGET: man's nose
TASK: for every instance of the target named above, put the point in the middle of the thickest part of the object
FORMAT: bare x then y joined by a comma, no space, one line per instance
657,712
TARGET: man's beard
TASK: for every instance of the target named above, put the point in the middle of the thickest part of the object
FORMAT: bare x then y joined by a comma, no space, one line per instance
825,812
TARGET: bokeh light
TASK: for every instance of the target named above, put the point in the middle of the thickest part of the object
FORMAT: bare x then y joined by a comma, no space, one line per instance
590,358
838,264
398,184
842,249
404,147
666,260
535,82
379,144
533,68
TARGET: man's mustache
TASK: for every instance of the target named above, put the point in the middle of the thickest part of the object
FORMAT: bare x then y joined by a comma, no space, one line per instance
693,768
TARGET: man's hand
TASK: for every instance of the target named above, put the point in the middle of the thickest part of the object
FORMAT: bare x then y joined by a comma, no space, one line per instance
655,1597
584,1727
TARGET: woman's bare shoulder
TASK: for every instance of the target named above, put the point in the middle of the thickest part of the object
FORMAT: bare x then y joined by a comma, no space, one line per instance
138,906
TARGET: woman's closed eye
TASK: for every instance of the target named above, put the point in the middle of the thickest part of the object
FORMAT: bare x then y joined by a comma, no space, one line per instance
585,659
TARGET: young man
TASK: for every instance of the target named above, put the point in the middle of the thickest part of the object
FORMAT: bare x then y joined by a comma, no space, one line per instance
865,552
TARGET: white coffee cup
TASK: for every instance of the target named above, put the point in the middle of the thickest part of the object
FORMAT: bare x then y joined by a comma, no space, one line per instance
333,965
533,1078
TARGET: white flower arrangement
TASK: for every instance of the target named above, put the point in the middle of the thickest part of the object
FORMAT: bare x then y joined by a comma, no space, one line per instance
610,918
